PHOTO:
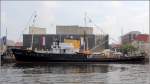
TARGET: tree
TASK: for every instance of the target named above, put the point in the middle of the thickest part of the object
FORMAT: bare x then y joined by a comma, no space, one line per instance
128,48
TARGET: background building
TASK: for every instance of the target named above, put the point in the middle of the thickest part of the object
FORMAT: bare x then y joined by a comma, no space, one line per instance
45,41
129,37
73,35
37,30
142,38
138,40
142,42
73,30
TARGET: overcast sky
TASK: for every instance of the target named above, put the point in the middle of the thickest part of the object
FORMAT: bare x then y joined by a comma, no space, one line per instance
113,17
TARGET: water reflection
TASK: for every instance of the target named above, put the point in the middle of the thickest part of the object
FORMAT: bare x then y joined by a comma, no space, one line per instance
64,68
73,73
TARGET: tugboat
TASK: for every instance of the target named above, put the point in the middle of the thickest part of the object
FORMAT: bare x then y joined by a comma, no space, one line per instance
61,52
67,54
56,54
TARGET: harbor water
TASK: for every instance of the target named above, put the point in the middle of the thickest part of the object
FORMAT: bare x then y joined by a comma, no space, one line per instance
74,73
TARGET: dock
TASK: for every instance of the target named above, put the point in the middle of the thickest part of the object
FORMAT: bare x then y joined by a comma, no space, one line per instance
7,56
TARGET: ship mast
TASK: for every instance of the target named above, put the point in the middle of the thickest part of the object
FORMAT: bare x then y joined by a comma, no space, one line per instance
149,34
32,33
149,42
84,31
0,44
85,38
6,42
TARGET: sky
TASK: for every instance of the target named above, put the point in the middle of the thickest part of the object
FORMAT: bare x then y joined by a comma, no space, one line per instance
112,17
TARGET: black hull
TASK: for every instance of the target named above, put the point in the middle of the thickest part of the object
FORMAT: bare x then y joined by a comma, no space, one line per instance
31,56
